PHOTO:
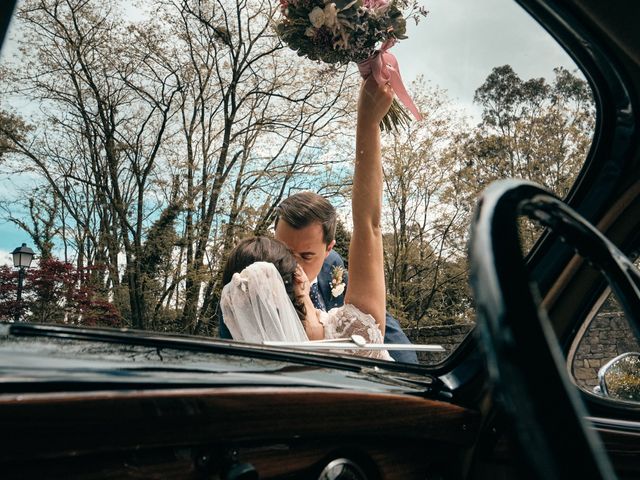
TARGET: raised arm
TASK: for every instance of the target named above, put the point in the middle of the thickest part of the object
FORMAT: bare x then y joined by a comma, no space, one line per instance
366,289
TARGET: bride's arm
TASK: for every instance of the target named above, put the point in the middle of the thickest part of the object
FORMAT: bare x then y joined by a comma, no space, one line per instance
366,289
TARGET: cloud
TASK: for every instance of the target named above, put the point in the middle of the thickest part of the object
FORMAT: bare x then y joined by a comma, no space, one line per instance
460,42
6,258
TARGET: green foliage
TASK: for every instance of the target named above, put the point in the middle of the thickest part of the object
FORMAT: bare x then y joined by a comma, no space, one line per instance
623,378
13,129
433,174
161,240
156,266
343,239
530,129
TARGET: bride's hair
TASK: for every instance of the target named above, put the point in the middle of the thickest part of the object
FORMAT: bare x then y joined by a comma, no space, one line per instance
265,249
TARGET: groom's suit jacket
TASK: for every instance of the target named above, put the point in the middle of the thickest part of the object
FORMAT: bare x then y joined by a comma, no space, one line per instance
393,333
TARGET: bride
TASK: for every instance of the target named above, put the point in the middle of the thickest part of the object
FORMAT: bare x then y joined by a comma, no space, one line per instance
266,293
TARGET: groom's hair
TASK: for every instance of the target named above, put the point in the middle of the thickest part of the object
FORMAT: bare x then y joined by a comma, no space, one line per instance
305,208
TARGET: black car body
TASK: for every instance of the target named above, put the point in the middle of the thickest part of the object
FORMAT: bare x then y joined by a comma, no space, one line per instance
100,403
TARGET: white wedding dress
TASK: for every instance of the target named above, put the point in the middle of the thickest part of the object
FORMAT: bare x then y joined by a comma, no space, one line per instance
257,308
342,322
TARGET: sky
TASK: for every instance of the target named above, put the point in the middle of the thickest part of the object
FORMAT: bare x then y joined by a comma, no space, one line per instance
455,47
460,41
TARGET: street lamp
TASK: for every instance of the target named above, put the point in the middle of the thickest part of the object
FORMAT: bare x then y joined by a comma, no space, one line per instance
22,257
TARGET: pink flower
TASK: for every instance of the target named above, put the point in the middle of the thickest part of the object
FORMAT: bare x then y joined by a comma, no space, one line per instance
375,4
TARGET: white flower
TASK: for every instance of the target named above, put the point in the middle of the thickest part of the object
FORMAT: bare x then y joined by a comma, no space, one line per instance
330,15
316,16
337,283
337,290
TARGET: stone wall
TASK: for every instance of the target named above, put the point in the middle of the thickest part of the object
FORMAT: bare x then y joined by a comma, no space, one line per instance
608,336
448,336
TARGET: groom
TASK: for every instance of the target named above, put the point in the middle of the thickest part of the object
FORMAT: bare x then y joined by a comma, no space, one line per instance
306,223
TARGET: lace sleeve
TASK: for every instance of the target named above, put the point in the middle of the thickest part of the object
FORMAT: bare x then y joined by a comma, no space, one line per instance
347,320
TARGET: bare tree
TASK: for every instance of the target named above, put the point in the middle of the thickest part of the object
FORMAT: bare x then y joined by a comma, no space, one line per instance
103,113
252,115
422,253
162,141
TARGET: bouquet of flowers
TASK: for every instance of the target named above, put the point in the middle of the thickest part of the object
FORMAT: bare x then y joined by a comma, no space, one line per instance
361,31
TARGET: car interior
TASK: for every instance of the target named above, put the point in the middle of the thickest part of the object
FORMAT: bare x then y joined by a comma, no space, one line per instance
508,402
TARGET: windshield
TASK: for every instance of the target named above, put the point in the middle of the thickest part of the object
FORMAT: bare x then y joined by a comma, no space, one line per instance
140,144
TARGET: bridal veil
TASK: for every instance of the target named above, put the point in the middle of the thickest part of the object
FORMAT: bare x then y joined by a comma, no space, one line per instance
256,306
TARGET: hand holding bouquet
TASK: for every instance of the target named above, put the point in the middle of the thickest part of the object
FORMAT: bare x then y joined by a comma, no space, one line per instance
361,31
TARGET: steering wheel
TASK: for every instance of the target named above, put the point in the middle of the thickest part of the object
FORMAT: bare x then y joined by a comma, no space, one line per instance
524,359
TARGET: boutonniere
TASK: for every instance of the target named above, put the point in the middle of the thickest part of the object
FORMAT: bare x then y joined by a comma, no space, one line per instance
337,283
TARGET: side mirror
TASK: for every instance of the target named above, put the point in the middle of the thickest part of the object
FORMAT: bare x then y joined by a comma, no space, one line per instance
620,377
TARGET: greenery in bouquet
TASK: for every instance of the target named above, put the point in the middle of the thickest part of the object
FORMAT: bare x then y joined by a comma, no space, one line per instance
343,31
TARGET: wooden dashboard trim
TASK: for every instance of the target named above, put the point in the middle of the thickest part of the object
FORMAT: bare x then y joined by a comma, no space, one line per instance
195,432
54,424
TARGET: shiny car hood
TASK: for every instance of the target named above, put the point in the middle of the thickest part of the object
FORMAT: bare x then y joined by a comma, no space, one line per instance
51,358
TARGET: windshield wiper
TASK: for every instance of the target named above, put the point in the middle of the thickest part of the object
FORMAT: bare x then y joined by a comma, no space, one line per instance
354,342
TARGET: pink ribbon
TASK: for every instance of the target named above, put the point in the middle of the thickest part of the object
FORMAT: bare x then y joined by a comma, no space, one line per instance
384,68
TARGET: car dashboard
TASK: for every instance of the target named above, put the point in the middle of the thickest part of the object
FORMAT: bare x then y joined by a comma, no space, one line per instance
86,409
